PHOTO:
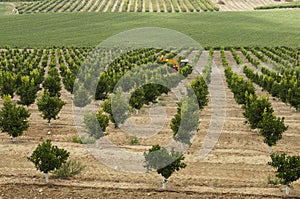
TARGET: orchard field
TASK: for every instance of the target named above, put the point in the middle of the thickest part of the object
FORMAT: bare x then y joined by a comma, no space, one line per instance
247,57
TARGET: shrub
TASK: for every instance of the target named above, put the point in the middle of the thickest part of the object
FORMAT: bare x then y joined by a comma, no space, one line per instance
69,169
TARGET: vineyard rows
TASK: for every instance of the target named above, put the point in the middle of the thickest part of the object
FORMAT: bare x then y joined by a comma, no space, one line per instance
237,5
117,6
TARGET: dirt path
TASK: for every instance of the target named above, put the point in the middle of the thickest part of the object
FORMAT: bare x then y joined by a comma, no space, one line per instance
218,112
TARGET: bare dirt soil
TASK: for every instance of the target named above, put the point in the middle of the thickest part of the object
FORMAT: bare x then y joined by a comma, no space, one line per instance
235,168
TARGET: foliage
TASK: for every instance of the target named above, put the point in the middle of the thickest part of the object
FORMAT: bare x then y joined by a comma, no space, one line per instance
106,107
52,83
164,162
50,106
47,157
137,98
271,128
75,139
185,121
288,167
81,97
103,87
240,87
13,119
255,108
27,91
134,141
7,83
96,124
186,70
69,169
120,107
201,91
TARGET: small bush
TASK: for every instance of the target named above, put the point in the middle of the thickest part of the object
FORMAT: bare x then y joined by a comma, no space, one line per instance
134,141
274,181
69,169
75,139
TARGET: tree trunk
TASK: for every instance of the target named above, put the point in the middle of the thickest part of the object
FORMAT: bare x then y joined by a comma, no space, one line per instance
47,177
49,123
97,143
270,149
287,189
14,139
164,183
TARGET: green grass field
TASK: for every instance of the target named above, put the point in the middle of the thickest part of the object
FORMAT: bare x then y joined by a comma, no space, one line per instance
258,28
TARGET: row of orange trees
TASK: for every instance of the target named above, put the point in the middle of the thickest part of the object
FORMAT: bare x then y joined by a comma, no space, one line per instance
284,83
260,115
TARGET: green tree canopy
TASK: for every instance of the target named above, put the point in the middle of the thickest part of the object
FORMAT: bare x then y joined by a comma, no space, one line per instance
254,110
271,128
13,118
201,91
48,158
96,124
7,83
288,168
164,162
50,106
27,91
